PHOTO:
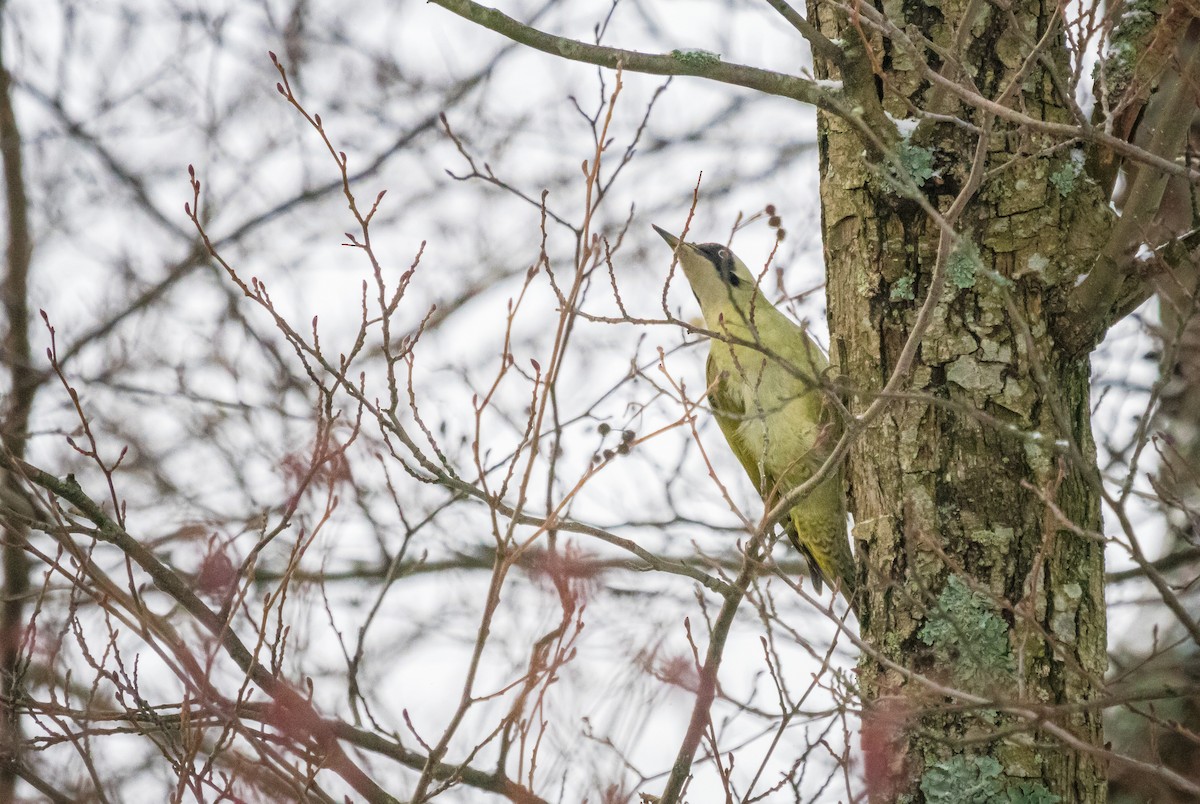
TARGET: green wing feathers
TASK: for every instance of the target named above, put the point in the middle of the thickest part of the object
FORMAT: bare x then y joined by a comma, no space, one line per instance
769,445
730,412
818,530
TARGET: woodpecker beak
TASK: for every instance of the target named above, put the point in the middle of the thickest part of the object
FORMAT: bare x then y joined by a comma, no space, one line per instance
671,239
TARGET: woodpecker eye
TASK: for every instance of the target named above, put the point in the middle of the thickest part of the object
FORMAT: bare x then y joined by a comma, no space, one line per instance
726,267
723,261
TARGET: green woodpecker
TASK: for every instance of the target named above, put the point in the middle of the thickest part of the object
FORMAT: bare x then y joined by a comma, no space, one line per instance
769,403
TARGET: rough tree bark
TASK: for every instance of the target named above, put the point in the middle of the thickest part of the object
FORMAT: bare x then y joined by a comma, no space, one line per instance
14,424
976,582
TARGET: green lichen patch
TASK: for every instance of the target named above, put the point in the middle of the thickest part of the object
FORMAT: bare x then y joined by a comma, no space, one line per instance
979,780
696,58
1128,41
902,290
1064,179
916,162
968,637
963,265
960,779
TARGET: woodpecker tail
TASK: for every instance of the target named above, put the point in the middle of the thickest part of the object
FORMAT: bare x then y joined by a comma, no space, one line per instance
818,530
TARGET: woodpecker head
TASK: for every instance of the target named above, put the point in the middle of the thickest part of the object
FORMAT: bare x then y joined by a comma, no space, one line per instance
720,281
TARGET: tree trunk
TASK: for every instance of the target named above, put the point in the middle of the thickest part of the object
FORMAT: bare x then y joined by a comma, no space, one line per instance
976,587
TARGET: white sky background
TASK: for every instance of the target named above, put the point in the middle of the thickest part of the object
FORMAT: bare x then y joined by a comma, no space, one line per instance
159,92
